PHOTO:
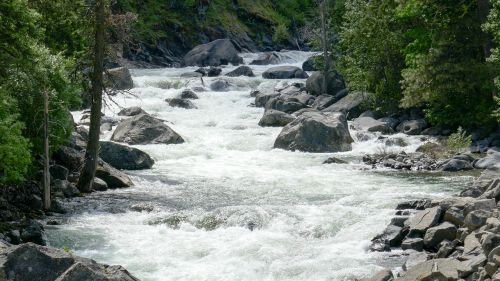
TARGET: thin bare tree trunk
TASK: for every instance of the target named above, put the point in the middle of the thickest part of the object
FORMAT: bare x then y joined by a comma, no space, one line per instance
324,40
87,175
46,164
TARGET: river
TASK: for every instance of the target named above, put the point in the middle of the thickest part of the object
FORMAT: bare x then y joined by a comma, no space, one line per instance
227,206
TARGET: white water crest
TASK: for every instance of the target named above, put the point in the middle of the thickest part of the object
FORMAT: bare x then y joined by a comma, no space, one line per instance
227,206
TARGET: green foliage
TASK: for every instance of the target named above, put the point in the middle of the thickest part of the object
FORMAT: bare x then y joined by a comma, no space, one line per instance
15,155
280,33
28,70
371,43
459,141
446,71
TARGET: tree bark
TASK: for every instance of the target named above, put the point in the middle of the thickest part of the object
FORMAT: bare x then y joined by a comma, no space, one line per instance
46,163
483,7
323,10
87,175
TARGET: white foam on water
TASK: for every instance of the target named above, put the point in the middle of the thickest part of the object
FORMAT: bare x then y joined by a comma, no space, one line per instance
230,207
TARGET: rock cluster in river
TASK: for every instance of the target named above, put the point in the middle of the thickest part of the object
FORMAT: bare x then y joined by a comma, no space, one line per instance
448,239
28,262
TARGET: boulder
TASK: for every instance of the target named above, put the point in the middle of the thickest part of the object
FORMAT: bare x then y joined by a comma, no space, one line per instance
285,104
58,172
34,232
351,105
241,71
188,95
214,71
492,159
371,125
314,84
454,215
476,219
145,129
215,53
316,132
29,262
389,121
416,244
131,111
437,234
262,98
118,79
482,204
284,72
69,157
323,101
270,58
68,189
456,165
99,185
182,103
412,127
424,220
437,269
124,157
113,177
310,64
383,275
275,118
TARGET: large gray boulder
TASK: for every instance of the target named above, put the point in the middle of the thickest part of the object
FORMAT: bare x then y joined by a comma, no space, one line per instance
241,71
424,220
124,157
30,262
261,99
215,53
437,234
371,125
456,165
145,129
284,103
316,132
270,58
275,118
284,72
314,84
437,269
118,79
111,176
351,105
412,127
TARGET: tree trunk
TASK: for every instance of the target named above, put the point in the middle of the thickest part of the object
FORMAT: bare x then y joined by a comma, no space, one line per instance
323,10
483,7
46,163
87,175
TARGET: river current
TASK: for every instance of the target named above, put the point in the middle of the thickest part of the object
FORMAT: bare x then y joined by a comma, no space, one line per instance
227,206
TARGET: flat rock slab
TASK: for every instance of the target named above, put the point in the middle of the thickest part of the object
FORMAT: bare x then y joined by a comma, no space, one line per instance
424,220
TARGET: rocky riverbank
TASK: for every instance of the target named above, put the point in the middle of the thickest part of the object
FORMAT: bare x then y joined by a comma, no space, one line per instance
457,238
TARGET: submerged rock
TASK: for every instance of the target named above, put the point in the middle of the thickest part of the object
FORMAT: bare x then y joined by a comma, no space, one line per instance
270,58
131,111
316,132
188,95
145,129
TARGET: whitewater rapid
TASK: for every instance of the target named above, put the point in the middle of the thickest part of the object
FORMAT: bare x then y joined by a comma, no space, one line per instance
227,206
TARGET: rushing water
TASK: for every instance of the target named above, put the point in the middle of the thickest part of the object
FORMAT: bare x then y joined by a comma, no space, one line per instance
227,206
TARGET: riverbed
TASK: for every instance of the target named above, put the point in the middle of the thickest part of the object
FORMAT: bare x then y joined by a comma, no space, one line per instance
227,206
